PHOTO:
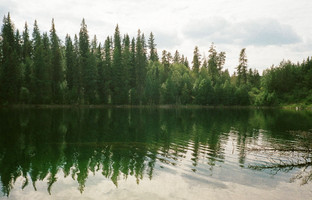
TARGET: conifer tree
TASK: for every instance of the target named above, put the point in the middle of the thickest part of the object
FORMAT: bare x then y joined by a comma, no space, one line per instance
126,67
140,64
196,60
27,63
39,76
104,95
116,69
56,66
101,75
46,82
176,57
242,68
152,46
71,70
10,74
186,63
132,72
87,65
212,64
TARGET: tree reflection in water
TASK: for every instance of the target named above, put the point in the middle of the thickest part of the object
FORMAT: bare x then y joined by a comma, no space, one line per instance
38,144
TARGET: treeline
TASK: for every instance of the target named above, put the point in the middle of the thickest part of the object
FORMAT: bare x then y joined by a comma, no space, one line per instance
42,70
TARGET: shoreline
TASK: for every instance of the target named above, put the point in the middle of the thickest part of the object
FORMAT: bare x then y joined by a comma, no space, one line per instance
164,106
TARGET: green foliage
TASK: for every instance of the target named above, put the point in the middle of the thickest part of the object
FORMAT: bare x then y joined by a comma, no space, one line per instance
124,71
196,60
10,70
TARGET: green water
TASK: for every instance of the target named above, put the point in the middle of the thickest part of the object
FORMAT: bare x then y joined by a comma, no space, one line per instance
152,154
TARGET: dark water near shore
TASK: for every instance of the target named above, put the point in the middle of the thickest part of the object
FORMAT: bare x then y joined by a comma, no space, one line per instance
121,153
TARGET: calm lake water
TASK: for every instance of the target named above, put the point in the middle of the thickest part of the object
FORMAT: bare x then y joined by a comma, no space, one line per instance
153,154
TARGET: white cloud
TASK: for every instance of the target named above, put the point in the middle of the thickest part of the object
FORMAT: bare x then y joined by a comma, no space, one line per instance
261,32
271,30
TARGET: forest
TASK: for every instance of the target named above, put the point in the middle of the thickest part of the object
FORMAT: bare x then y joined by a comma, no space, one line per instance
39,68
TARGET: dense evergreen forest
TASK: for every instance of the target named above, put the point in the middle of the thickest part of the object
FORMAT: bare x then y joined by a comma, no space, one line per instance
40,69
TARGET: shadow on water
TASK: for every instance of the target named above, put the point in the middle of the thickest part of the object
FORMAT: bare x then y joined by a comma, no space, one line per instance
36,144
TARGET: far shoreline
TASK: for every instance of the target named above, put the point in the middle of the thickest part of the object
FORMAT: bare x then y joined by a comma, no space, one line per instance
163,106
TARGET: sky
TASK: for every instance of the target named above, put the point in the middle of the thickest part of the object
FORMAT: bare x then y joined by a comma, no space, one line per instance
271,31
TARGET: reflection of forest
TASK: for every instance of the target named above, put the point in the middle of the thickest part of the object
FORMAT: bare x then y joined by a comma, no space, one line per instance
37,144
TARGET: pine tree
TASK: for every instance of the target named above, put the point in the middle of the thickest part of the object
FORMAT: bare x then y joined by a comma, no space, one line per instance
132,73
27,52
87,65
71,70
104,95
166,63
186,63
221,60
212,64
36,87
242,68
152,46
140,64
176,57
46,81
56,66
10,74
101,75
196,61
26,48
117,69
126,67
77,77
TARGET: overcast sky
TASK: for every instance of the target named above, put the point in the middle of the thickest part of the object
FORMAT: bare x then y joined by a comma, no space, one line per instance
269,30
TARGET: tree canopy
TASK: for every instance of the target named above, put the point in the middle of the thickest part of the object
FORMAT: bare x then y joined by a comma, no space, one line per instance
43,70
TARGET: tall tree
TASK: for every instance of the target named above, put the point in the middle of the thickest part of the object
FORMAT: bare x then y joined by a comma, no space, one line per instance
116,68
56,66
26,48
87,66
196,60
140,64
212,64
104,95
242,68
126,67
10,74
46,81
152,47
176,57
27,53
71,69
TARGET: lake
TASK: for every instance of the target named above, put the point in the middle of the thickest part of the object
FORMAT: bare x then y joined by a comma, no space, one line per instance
123,153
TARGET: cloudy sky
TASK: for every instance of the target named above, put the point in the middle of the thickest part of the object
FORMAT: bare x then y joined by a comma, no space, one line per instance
269,30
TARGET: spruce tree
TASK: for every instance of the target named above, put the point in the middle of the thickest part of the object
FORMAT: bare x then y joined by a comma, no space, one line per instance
56,66
140,64
212,64
242,68
196,61
176,57
77,77
104,95
71,70
37,87
101,75
46,95
126,67
117,69
10,74
152,47
27,53
87,65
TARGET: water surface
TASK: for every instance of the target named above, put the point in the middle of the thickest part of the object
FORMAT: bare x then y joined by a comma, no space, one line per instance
152,154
